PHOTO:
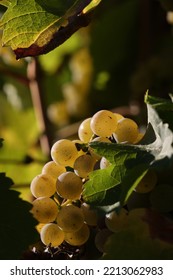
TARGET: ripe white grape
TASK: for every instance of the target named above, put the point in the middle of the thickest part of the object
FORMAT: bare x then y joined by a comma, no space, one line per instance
90,215
44,210
116,222
118,116
64,152
83,165
52,235
53,169
78,237
126,131
84,132
69,185
147,183
104,123
104,163
80,152
43,185
70,218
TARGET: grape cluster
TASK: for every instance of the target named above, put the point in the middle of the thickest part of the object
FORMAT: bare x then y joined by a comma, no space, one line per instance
58,206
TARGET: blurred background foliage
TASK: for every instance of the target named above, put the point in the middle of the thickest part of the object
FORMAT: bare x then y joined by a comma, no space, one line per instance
125,51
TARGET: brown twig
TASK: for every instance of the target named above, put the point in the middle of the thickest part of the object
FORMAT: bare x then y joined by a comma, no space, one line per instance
34,75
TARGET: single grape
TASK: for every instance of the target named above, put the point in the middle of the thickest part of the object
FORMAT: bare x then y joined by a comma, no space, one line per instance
43,185
44,210
69,185
119,116
52,235
116,222
147,183
39,227
104,123
78,237
64,152
126,131
84,132
83,165
53,169
70,218
139,137
90,215
101,238
104,163
161,198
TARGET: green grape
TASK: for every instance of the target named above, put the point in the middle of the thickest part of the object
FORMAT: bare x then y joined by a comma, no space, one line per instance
53,169
139,137
43,185
90,215
64,152
126,131
44,210
116,222
118,116
147,183
83,165
101,238
104,163
51,234
69,186
161,198
104,123
70,218
78,237
84,132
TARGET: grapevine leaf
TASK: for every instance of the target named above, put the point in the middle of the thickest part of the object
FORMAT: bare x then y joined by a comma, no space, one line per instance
36,28
17,226
5,3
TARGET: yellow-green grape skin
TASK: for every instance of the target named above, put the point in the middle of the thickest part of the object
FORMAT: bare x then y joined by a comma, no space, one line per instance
53,169
116,222
83,165
43,185
44,210
126,131
70,218
147,183
103,123
79,237
139,137
84,132
51,234
104,163
64,152
119,116
90,215
69,185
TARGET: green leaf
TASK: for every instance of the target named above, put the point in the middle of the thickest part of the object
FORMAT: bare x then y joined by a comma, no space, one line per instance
17,226
36,27
5,3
